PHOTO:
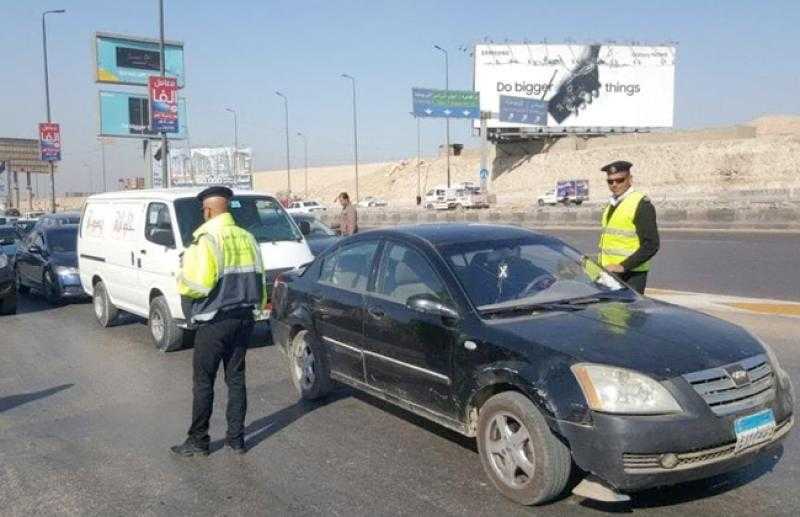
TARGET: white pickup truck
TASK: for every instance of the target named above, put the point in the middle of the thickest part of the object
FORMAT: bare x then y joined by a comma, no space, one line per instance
459,196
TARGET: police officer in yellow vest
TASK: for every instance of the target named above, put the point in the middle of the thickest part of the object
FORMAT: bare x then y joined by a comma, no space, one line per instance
221,283
630,232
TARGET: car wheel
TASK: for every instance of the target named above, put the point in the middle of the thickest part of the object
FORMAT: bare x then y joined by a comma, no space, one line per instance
8,305
541,202
166,334
104,310
308,367
519,453
51,289
21,288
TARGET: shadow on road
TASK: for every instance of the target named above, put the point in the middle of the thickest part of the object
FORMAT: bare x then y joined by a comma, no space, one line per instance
31,303
13,401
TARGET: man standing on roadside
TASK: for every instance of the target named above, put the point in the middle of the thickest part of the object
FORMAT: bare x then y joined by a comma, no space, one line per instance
221,282
630,234
348,219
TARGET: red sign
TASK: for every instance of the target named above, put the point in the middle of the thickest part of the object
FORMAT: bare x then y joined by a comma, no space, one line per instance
50,141
163,104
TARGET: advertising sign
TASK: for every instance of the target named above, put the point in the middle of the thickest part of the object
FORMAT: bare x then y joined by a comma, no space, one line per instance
163,104
586,86
129,60
520,110
23,155
50,141
444,103
207,166
125,114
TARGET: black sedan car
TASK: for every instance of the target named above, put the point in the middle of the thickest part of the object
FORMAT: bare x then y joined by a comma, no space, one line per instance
318,236
518,340
8,289
47,261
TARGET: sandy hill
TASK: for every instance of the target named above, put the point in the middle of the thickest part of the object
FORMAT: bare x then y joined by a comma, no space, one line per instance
695,164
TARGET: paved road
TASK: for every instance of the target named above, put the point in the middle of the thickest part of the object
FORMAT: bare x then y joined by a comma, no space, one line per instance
87,415
760,265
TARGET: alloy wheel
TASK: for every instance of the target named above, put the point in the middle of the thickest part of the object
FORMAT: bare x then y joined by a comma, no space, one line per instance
157,326
510,451
303,365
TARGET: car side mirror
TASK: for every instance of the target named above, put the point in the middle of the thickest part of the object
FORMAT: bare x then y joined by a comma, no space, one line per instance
163,237
305,227
426,304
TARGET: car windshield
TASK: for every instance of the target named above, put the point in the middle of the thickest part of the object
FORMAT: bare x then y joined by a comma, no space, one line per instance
62,240
518,272
260,215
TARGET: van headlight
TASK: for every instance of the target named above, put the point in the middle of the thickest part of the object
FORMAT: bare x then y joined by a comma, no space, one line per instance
616,390
66,271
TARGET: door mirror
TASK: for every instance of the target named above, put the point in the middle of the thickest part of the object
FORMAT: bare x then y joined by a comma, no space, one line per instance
163,237
305,227
427,304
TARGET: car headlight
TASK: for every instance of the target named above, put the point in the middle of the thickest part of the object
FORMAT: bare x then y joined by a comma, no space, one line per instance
616,390
773,359
3,260
66,271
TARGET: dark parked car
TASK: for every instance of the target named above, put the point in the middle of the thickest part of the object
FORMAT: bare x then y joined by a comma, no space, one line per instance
24,227
318,236
57,219
518,340
8,240
47,261
8,289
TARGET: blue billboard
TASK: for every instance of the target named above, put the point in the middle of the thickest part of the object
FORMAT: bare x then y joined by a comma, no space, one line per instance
125,114
128,60
523,110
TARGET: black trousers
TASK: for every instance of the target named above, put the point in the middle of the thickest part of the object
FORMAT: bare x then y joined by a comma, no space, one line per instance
636,279
220,341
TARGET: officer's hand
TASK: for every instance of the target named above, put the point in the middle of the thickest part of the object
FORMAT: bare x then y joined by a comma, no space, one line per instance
615,268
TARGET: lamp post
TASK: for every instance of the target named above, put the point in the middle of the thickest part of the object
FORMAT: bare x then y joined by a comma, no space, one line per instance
419,158
162,62
355,132
235,146
305,159
447,120
288,165
47,101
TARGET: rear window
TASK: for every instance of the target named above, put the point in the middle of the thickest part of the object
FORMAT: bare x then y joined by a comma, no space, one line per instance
62,240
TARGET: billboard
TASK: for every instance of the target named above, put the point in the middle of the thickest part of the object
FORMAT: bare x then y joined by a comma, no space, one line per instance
50,142
584,86
207,166
128,60
23,155
163,104
125,114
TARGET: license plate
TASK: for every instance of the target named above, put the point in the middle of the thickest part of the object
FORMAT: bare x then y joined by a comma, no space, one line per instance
754,429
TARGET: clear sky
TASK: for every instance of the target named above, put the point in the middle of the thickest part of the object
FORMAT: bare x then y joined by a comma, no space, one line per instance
736,60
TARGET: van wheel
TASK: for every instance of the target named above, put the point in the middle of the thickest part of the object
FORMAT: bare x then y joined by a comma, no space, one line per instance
104,310
308,367
519,453
166,334
8,305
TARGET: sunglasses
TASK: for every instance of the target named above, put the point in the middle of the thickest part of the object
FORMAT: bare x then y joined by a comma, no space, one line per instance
617,181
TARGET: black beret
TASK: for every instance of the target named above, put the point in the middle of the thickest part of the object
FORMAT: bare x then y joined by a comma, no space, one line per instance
215,191
618,166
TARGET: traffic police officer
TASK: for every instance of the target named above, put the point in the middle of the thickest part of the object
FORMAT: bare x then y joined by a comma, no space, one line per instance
221,283
630,233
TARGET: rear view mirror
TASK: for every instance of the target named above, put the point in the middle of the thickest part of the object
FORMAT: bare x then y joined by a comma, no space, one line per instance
162,237
426,304
305,227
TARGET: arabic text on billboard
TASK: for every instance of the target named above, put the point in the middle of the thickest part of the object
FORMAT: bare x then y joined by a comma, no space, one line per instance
163,104
50,141
129,60
124,114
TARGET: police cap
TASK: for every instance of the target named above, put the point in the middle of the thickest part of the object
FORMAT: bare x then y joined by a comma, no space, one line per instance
618,166
215,191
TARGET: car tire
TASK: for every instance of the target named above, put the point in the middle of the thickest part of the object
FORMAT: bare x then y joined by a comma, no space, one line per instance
104,310
21,288
8,305
167,335
524,460
50,288
308,367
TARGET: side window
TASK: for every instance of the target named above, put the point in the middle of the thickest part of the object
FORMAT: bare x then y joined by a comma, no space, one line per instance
158,223
405,273
350,266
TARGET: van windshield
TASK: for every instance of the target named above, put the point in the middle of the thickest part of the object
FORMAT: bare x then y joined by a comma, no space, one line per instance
262,216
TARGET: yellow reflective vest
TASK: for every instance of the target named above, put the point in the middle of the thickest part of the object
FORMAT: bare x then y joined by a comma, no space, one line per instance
618,240
221,270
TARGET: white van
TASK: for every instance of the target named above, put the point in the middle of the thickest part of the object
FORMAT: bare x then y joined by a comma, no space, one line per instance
130,244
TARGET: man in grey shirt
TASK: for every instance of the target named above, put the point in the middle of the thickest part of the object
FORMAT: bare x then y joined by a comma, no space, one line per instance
348,219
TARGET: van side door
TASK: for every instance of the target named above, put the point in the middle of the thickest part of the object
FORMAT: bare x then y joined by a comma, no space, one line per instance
157,256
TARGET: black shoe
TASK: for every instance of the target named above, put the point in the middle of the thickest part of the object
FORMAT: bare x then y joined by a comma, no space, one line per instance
237,446
189,449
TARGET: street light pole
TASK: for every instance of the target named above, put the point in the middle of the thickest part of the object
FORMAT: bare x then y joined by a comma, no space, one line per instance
235,147
305,158
419,158
47,101
288,164
447,120
355,132
162,60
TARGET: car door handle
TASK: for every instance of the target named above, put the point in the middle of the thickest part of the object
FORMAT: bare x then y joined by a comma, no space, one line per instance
143,252
376,312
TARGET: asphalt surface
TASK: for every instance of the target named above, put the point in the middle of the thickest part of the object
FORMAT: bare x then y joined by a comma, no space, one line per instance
87,416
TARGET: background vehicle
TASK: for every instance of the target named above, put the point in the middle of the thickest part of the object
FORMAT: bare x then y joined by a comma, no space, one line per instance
372,202
24,227
305,207
8,240
440,198
130,245
520,341
569,191
8,287
469,195
47,261
318,236
57,219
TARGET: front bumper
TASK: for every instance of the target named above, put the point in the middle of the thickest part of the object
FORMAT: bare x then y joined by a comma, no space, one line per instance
627,451
69,286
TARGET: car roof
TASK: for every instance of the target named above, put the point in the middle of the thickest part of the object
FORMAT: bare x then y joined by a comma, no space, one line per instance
62,215
166,194
439,234
52,229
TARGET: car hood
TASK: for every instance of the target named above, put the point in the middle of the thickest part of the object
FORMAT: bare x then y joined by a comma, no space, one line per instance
64,259
654,338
